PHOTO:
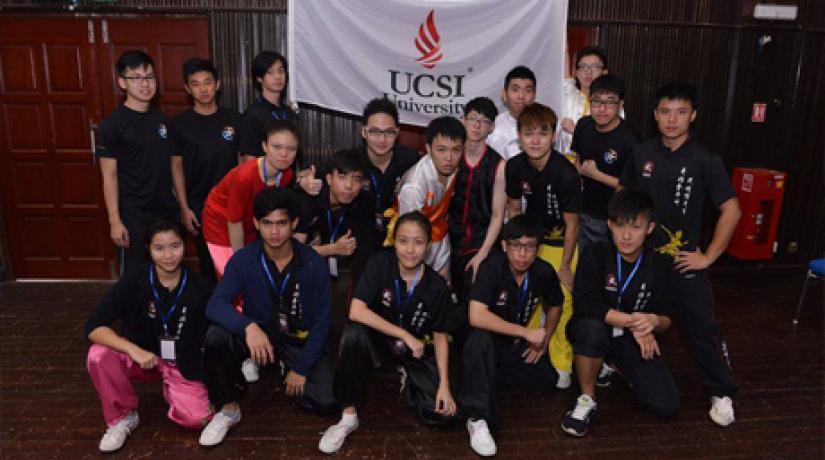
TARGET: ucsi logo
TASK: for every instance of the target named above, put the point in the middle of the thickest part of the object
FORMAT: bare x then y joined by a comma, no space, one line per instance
428,42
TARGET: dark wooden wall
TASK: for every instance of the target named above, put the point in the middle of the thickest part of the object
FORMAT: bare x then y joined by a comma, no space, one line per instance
711,43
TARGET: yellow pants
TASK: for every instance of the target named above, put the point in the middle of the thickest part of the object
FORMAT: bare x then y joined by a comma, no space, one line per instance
561,353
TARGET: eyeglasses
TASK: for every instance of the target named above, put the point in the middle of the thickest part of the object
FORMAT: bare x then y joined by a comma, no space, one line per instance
516,246
482,121
150,79
596,103
590,67
375,132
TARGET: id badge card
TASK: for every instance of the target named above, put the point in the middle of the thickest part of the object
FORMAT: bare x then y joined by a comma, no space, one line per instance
283,323
618,332
167,348
333,266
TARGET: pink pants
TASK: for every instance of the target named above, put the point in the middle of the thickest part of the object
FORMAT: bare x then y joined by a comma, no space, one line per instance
113,372
220,256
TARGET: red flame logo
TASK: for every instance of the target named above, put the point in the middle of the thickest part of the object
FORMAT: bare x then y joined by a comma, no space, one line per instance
427,42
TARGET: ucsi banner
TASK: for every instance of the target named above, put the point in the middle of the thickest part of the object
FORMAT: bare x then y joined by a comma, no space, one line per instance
428,57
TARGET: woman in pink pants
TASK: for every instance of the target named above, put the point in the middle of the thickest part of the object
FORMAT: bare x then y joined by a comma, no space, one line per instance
162,325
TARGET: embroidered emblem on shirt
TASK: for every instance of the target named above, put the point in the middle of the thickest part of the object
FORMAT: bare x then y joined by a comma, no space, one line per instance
525,188
610,282
684,184
553,208
386,298
228,133
647,169
152,311
610,156
641,298
674,244
502,298
162,132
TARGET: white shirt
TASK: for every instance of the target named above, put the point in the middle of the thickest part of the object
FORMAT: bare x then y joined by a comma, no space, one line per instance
504,138
421,187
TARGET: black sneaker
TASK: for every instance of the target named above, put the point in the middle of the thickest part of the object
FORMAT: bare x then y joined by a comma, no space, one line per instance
605,376
577,421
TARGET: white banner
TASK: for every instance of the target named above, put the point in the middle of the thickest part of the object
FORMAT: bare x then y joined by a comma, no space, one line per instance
428,57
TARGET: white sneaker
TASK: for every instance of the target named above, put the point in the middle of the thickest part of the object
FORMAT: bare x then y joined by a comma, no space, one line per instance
216,430
116,435
480,438
564,380
250,371
334,437
721,410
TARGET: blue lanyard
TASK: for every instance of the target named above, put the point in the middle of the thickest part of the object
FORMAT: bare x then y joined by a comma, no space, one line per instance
402,303
377,191
165,318
263,173
333,233
275,115
522,294
629,277
280,291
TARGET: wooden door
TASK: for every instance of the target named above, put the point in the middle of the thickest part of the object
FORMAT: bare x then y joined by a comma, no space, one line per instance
55,220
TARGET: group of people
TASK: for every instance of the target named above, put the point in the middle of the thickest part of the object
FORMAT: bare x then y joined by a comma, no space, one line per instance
526,246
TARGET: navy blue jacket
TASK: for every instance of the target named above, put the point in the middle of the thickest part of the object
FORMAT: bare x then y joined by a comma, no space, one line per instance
245,276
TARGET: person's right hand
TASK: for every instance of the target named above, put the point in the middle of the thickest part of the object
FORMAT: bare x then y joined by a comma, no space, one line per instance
311,185
416,346
190,220
345,245
647,345
119,234
144,359
535,337
260,349
567,125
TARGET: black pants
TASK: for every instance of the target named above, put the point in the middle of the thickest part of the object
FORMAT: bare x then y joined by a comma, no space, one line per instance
205,263
137,222
364,349
491,361
649,380
225,352
694,309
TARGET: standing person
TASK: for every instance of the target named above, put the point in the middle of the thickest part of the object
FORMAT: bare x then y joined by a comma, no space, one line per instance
270,76
400,307
205,148
679,173
591,63
542,184
227,216
287,306
622,298
134,160
160,309
477,207
503,350
602,142
386,159
519,92
428,186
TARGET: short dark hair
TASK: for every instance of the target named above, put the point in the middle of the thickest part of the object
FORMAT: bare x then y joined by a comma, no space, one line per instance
198,64
522,72
608,83
628,204
537,115
275,126
161,225
482,105
380,105
678,90
520,226
447,127
346,161
261,64
416,217
133,59
271,199
591,51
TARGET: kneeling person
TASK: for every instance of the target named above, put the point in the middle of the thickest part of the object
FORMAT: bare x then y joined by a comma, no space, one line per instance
502,350
621,303
287,295
400,307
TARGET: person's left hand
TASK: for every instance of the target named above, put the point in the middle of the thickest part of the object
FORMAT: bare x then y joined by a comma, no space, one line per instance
444,403
589,169
294,383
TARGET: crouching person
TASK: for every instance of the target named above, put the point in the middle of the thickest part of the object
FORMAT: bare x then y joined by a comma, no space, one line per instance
160,308
401,309
621,305
287,294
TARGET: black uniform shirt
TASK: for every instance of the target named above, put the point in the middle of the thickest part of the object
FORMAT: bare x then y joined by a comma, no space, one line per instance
610,151
678,182
549,193
380,186
597,284
495,286
132,302
427,310
253,121
209,145
471,207
139,141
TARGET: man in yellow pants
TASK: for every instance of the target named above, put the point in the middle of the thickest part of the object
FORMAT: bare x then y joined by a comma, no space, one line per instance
543,184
